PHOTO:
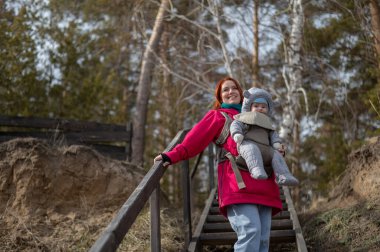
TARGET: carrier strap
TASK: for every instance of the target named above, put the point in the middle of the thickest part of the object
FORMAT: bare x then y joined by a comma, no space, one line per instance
225,131
237,173
221,140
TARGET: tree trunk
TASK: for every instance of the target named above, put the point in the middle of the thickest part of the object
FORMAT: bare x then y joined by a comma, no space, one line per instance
143,92
375,23
290,128
227,60
255,52
293,71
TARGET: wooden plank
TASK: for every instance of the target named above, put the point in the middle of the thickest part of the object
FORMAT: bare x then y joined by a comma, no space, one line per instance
226,227
301,244
112,151
97,136
282,215
221,218
216,218
6,136
79,137
215,209
53,123
107,149
276,236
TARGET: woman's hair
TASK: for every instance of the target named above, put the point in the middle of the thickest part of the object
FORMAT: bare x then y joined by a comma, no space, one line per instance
218,91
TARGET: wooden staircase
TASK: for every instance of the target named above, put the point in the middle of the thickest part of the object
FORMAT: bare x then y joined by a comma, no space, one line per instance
214,229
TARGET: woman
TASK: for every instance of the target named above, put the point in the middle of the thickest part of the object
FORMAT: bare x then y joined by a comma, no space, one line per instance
249,210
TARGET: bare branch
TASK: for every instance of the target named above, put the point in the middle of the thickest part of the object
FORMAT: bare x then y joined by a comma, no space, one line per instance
218,36
227,62
320,102
167,68
303,91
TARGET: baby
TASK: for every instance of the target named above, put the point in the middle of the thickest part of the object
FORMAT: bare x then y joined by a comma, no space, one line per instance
257,141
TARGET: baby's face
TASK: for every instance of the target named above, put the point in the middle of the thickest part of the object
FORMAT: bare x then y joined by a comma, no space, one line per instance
259,107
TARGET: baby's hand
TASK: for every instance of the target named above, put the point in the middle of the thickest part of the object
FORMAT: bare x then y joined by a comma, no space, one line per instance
238,138
280,147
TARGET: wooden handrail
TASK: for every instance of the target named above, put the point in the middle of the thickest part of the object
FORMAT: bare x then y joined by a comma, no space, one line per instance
301,244
111,238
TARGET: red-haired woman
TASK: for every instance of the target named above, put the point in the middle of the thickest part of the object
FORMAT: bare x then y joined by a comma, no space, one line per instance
250,209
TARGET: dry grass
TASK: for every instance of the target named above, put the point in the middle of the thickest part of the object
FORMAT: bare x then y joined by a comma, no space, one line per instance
138,237
44,234
354,228
17,234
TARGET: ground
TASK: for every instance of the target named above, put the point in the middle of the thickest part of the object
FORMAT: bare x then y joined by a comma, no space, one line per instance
349,219
60,198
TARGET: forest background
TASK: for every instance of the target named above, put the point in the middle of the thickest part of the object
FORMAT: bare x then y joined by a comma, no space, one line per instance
120,61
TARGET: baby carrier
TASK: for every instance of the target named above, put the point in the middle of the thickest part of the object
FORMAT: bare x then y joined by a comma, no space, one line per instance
238,163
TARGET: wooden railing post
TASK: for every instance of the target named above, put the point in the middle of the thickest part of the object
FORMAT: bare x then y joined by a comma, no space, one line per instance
155,231
128,147
186,202
211,166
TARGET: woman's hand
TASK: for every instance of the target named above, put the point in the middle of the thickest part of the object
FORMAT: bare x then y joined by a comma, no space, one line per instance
159,158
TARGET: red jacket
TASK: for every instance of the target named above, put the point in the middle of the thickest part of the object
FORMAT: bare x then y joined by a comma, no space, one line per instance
207,130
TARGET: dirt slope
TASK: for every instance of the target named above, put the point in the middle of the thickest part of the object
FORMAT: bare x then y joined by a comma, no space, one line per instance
58,198
55,198
361,181
349,220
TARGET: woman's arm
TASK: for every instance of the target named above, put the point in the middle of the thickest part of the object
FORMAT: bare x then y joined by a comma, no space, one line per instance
198,138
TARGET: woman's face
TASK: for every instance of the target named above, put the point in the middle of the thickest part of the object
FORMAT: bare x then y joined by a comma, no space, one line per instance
230,93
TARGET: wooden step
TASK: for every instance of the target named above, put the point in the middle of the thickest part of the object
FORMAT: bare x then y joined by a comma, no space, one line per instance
215,209
226,227
276,236
216,230
282,215
221,218
216,203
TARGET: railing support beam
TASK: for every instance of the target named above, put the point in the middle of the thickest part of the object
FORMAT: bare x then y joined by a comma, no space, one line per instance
155,231
211,163
186,202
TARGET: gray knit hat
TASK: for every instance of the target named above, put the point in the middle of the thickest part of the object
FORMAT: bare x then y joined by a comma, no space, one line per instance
253,93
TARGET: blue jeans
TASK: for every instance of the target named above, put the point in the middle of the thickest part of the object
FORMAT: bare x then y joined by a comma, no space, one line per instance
252,225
